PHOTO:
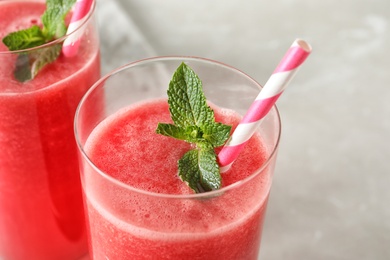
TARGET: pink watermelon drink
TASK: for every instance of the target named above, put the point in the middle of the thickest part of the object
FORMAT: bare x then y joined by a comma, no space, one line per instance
40,193
137,206
212,228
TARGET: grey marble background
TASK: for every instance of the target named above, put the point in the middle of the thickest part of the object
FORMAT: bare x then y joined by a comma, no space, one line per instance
331,196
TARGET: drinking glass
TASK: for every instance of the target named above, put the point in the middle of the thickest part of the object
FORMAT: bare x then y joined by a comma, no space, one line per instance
126,222
41,207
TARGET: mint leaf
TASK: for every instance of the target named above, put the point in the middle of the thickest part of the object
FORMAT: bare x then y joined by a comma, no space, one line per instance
24,39
200,170
194,123
216,133
187,103
29,64
171,131
54,17
191,134
22,71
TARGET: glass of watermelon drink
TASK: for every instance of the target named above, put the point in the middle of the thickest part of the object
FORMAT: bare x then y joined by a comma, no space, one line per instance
41,206
137,206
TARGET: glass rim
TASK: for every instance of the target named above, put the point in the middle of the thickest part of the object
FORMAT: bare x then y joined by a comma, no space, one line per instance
59,40
213,193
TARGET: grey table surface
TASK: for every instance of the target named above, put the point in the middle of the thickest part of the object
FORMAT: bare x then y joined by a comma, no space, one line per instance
330,197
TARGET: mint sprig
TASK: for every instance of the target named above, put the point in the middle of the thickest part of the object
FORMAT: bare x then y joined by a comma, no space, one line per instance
194,122
53,20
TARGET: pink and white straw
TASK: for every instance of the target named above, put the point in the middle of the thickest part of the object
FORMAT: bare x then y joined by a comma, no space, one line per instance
80,15
263,103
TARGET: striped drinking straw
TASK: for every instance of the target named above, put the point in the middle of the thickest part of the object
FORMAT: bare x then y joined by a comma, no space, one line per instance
267,97
80,14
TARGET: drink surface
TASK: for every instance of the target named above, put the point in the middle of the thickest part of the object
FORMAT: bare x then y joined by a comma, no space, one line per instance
28,13
126,147
40,192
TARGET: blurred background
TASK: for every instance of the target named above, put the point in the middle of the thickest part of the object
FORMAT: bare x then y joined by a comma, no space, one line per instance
330,197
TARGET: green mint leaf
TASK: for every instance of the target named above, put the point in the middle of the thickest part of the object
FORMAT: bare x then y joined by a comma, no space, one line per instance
54,17
22,70
191,134
53,20
24,39
187,103
216,134
199,169
171,131
194,123
29,64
